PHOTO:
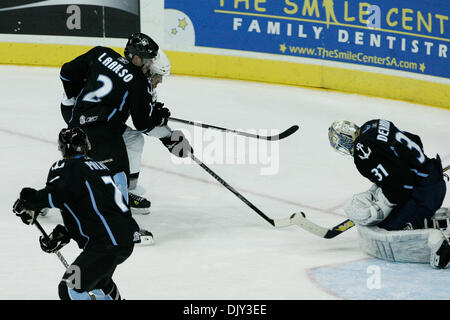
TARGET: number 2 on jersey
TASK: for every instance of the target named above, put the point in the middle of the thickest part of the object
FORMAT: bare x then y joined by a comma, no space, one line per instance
96,95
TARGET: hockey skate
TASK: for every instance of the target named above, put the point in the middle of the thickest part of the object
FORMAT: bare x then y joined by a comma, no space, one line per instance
145,238
138,204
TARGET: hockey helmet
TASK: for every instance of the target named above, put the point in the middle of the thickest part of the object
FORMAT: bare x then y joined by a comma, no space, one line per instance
72,142
161,65
342,135
141,45
158,69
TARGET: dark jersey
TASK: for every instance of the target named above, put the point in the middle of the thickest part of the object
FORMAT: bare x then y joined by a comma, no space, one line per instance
391,158
92,207
108,88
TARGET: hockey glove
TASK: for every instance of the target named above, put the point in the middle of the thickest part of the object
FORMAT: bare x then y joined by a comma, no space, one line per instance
56,240
178,144
160,114
368,208
28,216
27,193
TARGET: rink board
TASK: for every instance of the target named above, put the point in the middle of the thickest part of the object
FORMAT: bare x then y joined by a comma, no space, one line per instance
272,71
391,50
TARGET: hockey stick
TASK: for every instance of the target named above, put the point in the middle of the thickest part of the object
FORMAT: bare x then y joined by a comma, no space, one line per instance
445,175
278,223
302,222
58,254
276,137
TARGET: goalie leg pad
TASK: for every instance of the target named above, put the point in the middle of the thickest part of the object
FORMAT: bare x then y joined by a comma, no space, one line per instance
440,250
410,246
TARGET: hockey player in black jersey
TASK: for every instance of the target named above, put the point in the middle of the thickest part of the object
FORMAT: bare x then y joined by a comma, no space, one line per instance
408,187
95,215
102,89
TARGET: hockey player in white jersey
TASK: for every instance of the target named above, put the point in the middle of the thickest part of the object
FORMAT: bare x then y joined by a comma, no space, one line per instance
396,216
134,139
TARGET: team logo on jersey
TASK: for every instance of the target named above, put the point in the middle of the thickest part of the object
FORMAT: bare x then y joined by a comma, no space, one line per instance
122,60
84,120
91,119
365,154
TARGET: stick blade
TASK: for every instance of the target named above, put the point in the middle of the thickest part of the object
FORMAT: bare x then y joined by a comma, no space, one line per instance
285,133
300,220
282,223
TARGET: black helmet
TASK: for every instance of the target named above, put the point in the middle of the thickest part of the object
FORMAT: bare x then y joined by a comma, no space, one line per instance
141,45
72,142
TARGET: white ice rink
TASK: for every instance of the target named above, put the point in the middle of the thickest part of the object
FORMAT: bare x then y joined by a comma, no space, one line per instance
209,244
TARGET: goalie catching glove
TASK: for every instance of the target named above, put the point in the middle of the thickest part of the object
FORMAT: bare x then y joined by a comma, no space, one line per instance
178,144
369,208
55,240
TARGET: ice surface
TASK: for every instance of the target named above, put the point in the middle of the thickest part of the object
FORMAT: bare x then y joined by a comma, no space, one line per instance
209,244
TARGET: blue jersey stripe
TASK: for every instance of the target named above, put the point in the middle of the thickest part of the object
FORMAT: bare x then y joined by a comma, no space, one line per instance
94,205
123,100
78,223
50,201
75,104
112,114
420,174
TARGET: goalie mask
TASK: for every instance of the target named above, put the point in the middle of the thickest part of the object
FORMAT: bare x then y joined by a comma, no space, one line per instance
72,142
342,135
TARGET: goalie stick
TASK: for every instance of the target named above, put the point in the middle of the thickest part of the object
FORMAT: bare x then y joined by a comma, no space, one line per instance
282,135
278,223
301,220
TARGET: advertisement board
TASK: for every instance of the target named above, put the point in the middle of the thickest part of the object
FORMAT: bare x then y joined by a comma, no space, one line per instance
411,36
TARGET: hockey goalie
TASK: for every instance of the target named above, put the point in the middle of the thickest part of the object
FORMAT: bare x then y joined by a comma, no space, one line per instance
400,217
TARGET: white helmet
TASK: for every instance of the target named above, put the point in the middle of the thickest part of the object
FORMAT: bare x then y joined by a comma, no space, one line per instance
160,65
342,135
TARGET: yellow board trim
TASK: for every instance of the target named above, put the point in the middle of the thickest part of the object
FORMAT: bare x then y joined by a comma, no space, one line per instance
221,66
